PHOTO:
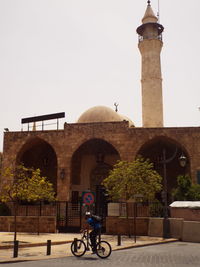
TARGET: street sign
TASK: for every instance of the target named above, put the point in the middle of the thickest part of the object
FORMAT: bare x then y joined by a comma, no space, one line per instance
88,198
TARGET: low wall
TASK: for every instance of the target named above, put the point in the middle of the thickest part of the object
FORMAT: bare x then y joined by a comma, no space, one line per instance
29,224
188,231
144,226
186,214
191,231
156,227
176,228
121,225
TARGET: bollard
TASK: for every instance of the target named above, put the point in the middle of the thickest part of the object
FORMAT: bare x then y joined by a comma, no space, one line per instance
75,244
119,240
48,247
16,246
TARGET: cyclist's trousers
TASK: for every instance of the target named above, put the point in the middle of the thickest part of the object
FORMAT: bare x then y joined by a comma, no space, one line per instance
93,237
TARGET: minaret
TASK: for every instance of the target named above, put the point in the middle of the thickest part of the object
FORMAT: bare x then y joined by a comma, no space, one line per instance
150,45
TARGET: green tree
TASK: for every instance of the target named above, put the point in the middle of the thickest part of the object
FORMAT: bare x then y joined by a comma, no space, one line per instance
25,184
128,179
183,187
186,190
194,192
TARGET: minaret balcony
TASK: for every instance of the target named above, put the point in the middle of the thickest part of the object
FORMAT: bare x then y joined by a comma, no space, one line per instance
150,31
153,37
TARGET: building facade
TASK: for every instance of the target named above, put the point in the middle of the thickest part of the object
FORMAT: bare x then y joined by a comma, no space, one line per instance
78,157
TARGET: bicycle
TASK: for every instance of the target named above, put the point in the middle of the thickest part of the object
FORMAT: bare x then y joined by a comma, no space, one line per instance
80,246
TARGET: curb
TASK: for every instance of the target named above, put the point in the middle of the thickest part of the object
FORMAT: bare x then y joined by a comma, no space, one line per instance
65,242
147,244
36,244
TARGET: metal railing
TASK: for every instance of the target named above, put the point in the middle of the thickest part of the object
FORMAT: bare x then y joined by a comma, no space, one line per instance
62,209
36,209
142,38
139,209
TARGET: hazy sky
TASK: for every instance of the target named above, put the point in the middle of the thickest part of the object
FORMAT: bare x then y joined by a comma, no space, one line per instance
70,55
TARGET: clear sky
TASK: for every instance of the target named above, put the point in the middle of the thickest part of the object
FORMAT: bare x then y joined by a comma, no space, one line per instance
70,55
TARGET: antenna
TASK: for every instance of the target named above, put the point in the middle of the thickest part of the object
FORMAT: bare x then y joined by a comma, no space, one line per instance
158,14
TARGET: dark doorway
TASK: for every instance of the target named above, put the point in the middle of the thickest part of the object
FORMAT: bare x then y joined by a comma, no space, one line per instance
99,157
39,154
153,150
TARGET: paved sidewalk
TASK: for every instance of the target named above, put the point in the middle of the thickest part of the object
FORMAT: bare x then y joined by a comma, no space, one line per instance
34,247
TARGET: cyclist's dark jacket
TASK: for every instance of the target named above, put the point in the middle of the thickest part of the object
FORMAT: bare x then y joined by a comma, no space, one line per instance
93,223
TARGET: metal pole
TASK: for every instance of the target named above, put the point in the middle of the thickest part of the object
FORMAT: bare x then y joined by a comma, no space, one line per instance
16,246
48,247
15,220
75,244
166,225
87,247
165,184
135,215
81,205
119,240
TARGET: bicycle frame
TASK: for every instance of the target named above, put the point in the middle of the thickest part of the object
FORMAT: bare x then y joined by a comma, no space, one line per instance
86,238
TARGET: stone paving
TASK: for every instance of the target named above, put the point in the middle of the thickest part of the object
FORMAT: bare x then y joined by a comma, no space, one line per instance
34,246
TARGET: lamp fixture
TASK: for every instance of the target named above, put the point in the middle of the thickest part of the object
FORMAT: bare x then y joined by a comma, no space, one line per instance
182,160
62,174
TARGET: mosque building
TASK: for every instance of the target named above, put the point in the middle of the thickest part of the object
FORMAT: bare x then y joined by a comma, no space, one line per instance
78,157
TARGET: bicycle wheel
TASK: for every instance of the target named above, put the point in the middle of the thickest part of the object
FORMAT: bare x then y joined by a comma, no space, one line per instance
78,248
103,249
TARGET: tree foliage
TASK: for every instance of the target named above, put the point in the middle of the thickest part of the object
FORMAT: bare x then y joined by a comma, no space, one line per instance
128,179
26,184
186,190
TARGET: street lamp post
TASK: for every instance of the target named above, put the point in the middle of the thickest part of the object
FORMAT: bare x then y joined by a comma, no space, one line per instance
164,161
166,225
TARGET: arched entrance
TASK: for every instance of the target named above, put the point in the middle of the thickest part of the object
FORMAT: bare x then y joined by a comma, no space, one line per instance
98,174
90,164
155,149
37,153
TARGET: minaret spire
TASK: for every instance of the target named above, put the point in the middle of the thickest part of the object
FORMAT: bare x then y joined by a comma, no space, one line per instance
150,46
149,15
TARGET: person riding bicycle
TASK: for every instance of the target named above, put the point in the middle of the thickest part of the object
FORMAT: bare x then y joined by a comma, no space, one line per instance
94,222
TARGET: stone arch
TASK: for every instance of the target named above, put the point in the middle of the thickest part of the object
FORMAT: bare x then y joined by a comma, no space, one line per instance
37,153
99,173
91,163
153,150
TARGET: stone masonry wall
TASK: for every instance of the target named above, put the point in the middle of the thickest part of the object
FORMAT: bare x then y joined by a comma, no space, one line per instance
29,224
186,214
126,140
117,225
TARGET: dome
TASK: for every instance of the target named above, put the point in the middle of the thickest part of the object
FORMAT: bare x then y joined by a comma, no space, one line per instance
101,114
125,118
